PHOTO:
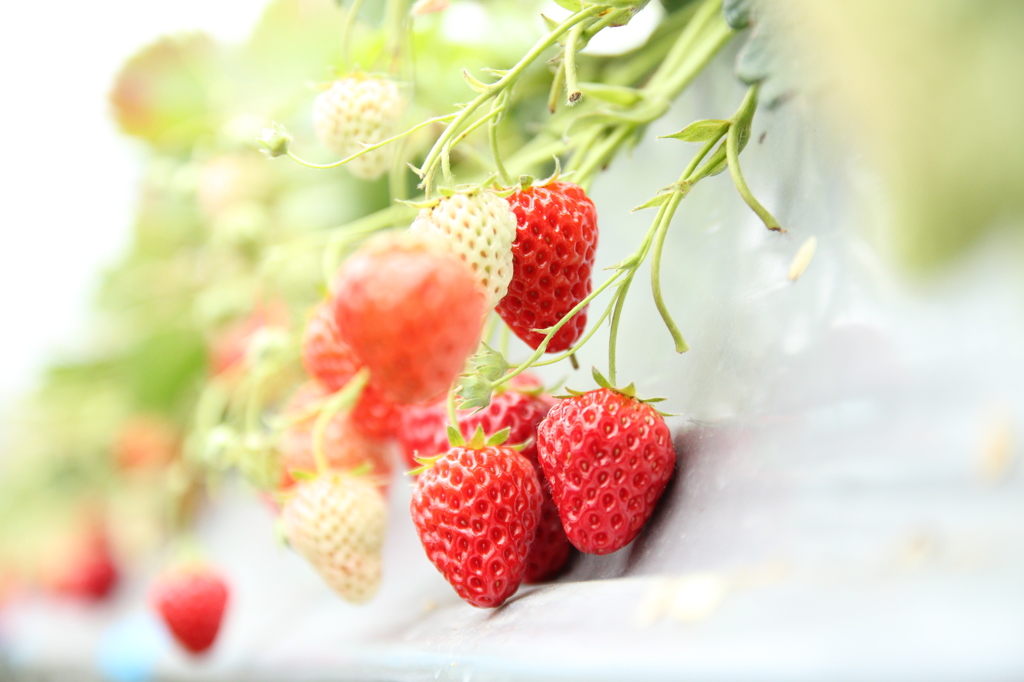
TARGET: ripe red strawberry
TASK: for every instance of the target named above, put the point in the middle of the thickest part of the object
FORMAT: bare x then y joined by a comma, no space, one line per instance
520,408
553,255
337,523
411,311
191,601
85,568
550,549
331,361
476,510
344,446
608,458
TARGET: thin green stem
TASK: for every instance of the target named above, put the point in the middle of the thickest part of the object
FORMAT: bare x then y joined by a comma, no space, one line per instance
429,165
659,300
572,83
732,151
370,148
453,415
346,31
343,399
556,87
539,351
613,334
492,136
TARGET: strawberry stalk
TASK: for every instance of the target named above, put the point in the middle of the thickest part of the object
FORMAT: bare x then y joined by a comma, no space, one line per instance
343,399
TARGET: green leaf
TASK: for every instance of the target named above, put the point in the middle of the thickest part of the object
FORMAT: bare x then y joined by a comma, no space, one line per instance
475,84
616,94
701,131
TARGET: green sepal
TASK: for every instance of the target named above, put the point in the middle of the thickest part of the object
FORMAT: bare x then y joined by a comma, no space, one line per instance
499,438
426,462
490,363
300,475
700,131
274,141
475,391
361,469
474,83
430,203
479,440
600,379
455,437
519,447
497,73
616,94
656,200
526,181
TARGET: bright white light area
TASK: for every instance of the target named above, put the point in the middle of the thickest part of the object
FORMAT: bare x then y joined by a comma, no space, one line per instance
68,178
616,40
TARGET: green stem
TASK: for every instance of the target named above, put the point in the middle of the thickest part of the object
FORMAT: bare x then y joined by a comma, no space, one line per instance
343,399
346,31
732,145
492,136
429,165
659,300
572,83
370,148
613,334
453,415
539,351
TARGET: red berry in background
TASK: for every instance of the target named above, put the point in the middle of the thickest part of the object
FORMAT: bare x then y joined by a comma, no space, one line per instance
145,442
229,348
412,311
331,361
424,431
608,458
553,254
191,601
86,568
345,447
476,511
551,548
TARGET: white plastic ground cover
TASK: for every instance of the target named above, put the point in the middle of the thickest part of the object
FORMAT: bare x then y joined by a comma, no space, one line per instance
846,507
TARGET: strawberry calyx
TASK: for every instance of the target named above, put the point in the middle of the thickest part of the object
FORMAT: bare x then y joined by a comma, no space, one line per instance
478,441
628,391
302,476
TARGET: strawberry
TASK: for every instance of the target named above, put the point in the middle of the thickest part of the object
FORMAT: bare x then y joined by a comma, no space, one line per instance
145,442
550,549
345,447
553,255
357,111
336,522
411,311
520,408
479,227
191,601
476,510
608,458
330,360
85,568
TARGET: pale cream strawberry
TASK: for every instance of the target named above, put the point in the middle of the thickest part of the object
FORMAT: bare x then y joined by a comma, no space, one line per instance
358,111
480,228
337,522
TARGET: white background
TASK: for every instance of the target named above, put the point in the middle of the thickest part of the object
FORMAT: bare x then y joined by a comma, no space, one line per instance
69,179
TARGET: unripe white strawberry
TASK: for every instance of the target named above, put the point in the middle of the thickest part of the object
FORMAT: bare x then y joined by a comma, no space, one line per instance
479,227
358,111
336,522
